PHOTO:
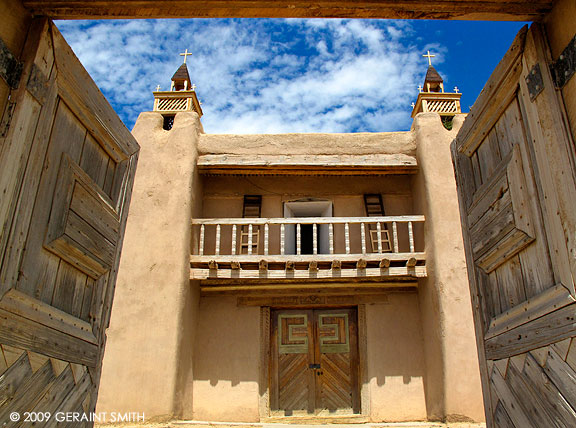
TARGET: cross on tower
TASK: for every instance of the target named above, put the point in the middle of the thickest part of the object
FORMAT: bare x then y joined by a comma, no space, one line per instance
185,54
157,88
426,56
456,89
420,88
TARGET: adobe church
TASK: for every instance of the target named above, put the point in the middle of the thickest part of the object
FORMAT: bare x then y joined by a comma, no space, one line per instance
296,277
293,277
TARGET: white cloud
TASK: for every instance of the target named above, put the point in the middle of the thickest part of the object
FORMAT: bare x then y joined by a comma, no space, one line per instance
261,75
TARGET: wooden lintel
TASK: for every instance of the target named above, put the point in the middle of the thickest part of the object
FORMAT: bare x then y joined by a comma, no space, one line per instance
373,164
510,10
314,300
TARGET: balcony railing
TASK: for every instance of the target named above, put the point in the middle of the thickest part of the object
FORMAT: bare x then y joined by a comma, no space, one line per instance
309,247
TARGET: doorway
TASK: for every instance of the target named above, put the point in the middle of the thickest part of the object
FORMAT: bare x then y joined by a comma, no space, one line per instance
308,207
314,365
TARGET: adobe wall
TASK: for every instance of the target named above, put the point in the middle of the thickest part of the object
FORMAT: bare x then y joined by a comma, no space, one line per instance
362,143
148,359
453,385
227,356
395,360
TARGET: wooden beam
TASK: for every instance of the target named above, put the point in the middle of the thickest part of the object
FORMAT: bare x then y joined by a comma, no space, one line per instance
291,273
372,164
198,261
309,220
511,10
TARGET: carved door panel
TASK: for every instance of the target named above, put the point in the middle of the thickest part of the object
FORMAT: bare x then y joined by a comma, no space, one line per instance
314,368
336,351
70,164
514,163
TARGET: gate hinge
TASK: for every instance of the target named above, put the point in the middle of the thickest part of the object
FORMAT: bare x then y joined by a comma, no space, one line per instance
10,67
534,82
564,67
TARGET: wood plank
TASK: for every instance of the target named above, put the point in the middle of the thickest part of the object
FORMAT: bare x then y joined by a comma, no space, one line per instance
543,331
404,272
555,158
313,300
21,332
489,154
310,220
529,400
383,9
554,403
510,402
554,298
80,92
23,305
55,392
495,97
563,376
67,136
14,377
94,161
502,419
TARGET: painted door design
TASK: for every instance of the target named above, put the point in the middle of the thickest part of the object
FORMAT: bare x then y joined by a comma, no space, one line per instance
514,162
67,168
314,366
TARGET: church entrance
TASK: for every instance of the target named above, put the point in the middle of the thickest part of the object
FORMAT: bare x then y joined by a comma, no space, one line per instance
314,364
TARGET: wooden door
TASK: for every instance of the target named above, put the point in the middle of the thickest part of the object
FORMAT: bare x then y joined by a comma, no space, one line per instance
514,161
314,366
66,171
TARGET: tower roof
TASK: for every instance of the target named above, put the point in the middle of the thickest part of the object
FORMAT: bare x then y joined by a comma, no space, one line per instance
181,73
433,76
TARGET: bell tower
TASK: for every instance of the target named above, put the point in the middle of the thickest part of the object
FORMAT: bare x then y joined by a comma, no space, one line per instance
432,97
181,96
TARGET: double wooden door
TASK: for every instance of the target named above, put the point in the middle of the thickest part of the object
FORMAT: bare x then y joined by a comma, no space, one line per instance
314,366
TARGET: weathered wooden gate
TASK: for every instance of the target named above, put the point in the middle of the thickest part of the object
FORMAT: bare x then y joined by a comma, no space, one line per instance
515,169
67,166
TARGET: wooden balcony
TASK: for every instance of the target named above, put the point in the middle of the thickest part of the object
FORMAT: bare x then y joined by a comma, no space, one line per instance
353,249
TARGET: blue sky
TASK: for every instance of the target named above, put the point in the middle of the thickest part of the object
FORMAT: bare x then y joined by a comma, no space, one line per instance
289,75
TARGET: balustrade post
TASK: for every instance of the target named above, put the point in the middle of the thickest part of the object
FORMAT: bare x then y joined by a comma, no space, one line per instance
250,239
217,239
233,239
331,236
379,234
315,238
201,244
266,239
411,236
347,237
298,249
363,237
282,236
395,236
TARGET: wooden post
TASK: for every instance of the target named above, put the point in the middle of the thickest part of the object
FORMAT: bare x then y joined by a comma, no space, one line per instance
379,233
233,239
282,235
298,244
395,236
250,239
266,226
347,237
217,239
331,236
201,245
363,237
315,238
411,236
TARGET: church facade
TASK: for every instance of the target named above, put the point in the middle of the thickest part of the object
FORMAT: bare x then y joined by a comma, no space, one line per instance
295,276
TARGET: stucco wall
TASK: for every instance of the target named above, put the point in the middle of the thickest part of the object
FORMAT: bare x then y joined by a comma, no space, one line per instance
395,360
226,361
453,379
154,304
309,144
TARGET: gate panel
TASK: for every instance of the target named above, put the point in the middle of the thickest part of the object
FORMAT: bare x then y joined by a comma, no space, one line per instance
514,165
73,163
